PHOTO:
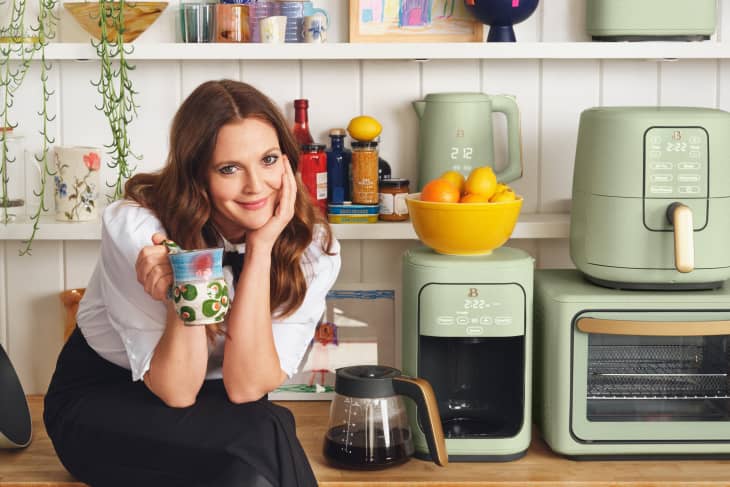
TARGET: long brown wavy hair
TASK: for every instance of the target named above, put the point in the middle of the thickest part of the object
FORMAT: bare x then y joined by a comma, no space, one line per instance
178,193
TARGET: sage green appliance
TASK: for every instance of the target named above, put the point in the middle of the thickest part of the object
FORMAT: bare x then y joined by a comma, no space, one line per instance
627,373
651,199
467,330
641,20
455,133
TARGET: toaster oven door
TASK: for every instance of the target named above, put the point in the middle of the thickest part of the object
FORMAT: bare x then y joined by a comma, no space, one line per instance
651,376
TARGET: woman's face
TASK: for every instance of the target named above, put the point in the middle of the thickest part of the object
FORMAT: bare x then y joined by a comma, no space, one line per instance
245,177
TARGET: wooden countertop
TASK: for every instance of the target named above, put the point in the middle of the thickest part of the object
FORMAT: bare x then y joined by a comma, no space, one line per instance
38,466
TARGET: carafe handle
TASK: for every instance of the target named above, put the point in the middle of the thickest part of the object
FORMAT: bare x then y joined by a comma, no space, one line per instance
428,414
507,105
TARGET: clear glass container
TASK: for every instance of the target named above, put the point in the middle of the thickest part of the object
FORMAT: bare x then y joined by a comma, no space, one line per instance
364,172
13,28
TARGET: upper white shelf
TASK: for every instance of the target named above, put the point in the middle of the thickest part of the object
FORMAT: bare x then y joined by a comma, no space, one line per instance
408,51
529,226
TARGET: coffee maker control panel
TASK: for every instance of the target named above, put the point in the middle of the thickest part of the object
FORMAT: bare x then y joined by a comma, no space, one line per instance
471,310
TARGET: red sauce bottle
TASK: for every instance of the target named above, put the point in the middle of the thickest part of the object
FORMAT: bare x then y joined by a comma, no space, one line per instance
313,168
301,122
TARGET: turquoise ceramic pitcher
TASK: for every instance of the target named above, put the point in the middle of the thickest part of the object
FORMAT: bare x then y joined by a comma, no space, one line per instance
456,134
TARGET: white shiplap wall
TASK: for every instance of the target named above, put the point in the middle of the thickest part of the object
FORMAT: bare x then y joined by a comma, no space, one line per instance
551,94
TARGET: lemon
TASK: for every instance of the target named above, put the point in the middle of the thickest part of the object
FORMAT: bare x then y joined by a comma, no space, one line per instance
364,128
502,187
481,180
503,196
455,178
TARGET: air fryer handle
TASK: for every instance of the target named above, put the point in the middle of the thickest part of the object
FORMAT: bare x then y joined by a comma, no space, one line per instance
428,414
680,216
507,105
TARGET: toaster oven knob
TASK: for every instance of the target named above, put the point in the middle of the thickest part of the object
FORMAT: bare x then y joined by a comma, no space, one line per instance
680,217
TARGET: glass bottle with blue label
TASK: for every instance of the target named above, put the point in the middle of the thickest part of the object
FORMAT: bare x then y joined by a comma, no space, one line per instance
338,162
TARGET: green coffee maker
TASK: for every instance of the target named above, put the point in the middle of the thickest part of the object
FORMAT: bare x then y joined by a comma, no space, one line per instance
467,330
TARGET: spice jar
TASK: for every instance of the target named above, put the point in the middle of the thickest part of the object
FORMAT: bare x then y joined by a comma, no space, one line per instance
364,169
393,194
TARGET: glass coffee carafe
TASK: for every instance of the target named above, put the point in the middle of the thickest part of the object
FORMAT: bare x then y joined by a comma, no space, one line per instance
368,425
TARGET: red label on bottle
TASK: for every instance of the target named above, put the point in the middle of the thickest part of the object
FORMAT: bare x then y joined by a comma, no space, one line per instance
313,168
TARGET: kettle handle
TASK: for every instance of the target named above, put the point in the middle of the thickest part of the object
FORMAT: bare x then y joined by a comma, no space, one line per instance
428,414
507,105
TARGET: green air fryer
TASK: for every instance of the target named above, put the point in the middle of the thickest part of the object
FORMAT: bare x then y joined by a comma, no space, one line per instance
650,20
651,199
455,134
467,330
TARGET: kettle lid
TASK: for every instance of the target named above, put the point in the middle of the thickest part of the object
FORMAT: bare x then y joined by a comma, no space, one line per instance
366,381
457,97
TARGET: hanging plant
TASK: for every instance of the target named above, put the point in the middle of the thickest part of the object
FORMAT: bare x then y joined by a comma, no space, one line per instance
18,45
117,91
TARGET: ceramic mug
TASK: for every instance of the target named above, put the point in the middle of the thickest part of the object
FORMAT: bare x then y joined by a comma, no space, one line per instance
76,183
199,291
295,11
273,29
314,29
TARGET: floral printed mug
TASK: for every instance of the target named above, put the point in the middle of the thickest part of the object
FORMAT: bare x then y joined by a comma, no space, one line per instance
76,183
199,291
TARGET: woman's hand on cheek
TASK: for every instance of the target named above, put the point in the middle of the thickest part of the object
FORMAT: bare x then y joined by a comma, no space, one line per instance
283,212
153,268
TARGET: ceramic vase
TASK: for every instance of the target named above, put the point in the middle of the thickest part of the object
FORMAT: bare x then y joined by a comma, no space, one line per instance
77,183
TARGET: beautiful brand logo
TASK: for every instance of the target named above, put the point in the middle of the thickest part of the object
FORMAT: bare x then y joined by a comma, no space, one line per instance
473,292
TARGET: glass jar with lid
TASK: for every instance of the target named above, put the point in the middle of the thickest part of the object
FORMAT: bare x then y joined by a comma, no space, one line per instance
392,198
364,169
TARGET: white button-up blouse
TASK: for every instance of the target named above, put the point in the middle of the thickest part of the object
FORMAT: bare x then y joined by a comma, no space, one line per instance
123,324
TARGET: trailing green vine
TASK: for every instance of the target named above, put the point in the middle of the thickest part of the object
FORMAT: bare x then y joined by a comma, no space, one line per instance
16,55
117,91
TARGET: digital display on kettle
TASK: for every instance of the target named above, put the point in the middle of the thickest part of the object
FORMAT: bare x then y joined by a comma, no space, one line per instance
464,153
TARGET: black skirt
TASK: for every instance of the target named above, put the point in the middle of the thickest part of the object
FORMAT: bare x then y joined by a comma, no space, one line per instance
109,431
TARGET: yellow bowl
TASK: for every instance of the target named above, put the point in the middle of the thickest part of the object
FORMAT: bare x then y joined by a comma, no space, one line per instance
138,16
463,228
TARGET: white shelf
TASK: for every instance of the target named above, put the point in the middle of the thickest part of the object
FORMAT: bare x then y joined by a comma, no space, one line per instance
408,51
529,226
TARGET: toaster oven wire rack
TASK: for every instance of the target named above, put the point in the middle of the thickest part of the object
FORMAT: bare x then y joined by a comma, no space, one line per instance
655,372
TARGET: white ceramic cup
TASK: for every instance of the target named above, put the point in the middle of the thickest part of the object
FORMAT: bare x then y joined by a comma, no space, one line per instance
76,183
273,29
314,29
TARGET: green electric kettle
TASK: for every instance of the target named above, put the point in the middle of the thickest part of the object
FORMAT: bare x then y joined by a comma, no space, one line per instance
456,134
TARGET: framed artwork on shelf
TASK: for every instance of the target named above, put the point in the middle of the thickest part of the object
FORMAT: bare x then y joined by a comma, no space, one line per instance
357,328
413,21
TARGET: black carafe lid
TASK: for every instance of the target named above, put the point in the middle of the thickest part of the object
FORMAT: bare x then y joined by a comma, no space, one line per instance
366,381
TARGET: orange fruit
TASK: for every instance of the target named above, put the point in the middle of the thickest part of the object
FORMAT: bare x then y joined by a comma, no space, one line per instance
455,178
474,198
440,190
481,180
503,196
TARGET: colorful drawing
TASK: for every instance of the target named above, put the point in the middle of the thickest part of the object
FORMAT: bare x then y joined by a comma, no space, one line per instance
413,20
415,13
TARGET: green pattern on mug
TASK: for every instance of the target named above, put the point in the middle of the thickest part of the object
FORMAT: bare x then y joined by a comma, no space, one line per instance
215,290
187,313
189,292
211,307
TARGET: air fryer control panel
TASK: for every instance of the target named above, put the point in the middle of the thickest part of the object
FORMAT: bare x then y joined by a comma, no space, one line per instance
676,167
471,310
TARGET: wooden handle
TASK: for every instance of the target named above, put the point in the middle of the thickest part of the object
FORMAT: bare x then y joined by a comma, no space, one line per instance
653,328
680,216
428,412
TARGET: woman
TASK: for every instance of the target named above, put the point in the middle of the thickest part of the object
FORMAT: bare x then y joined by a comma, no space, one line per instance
194,410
